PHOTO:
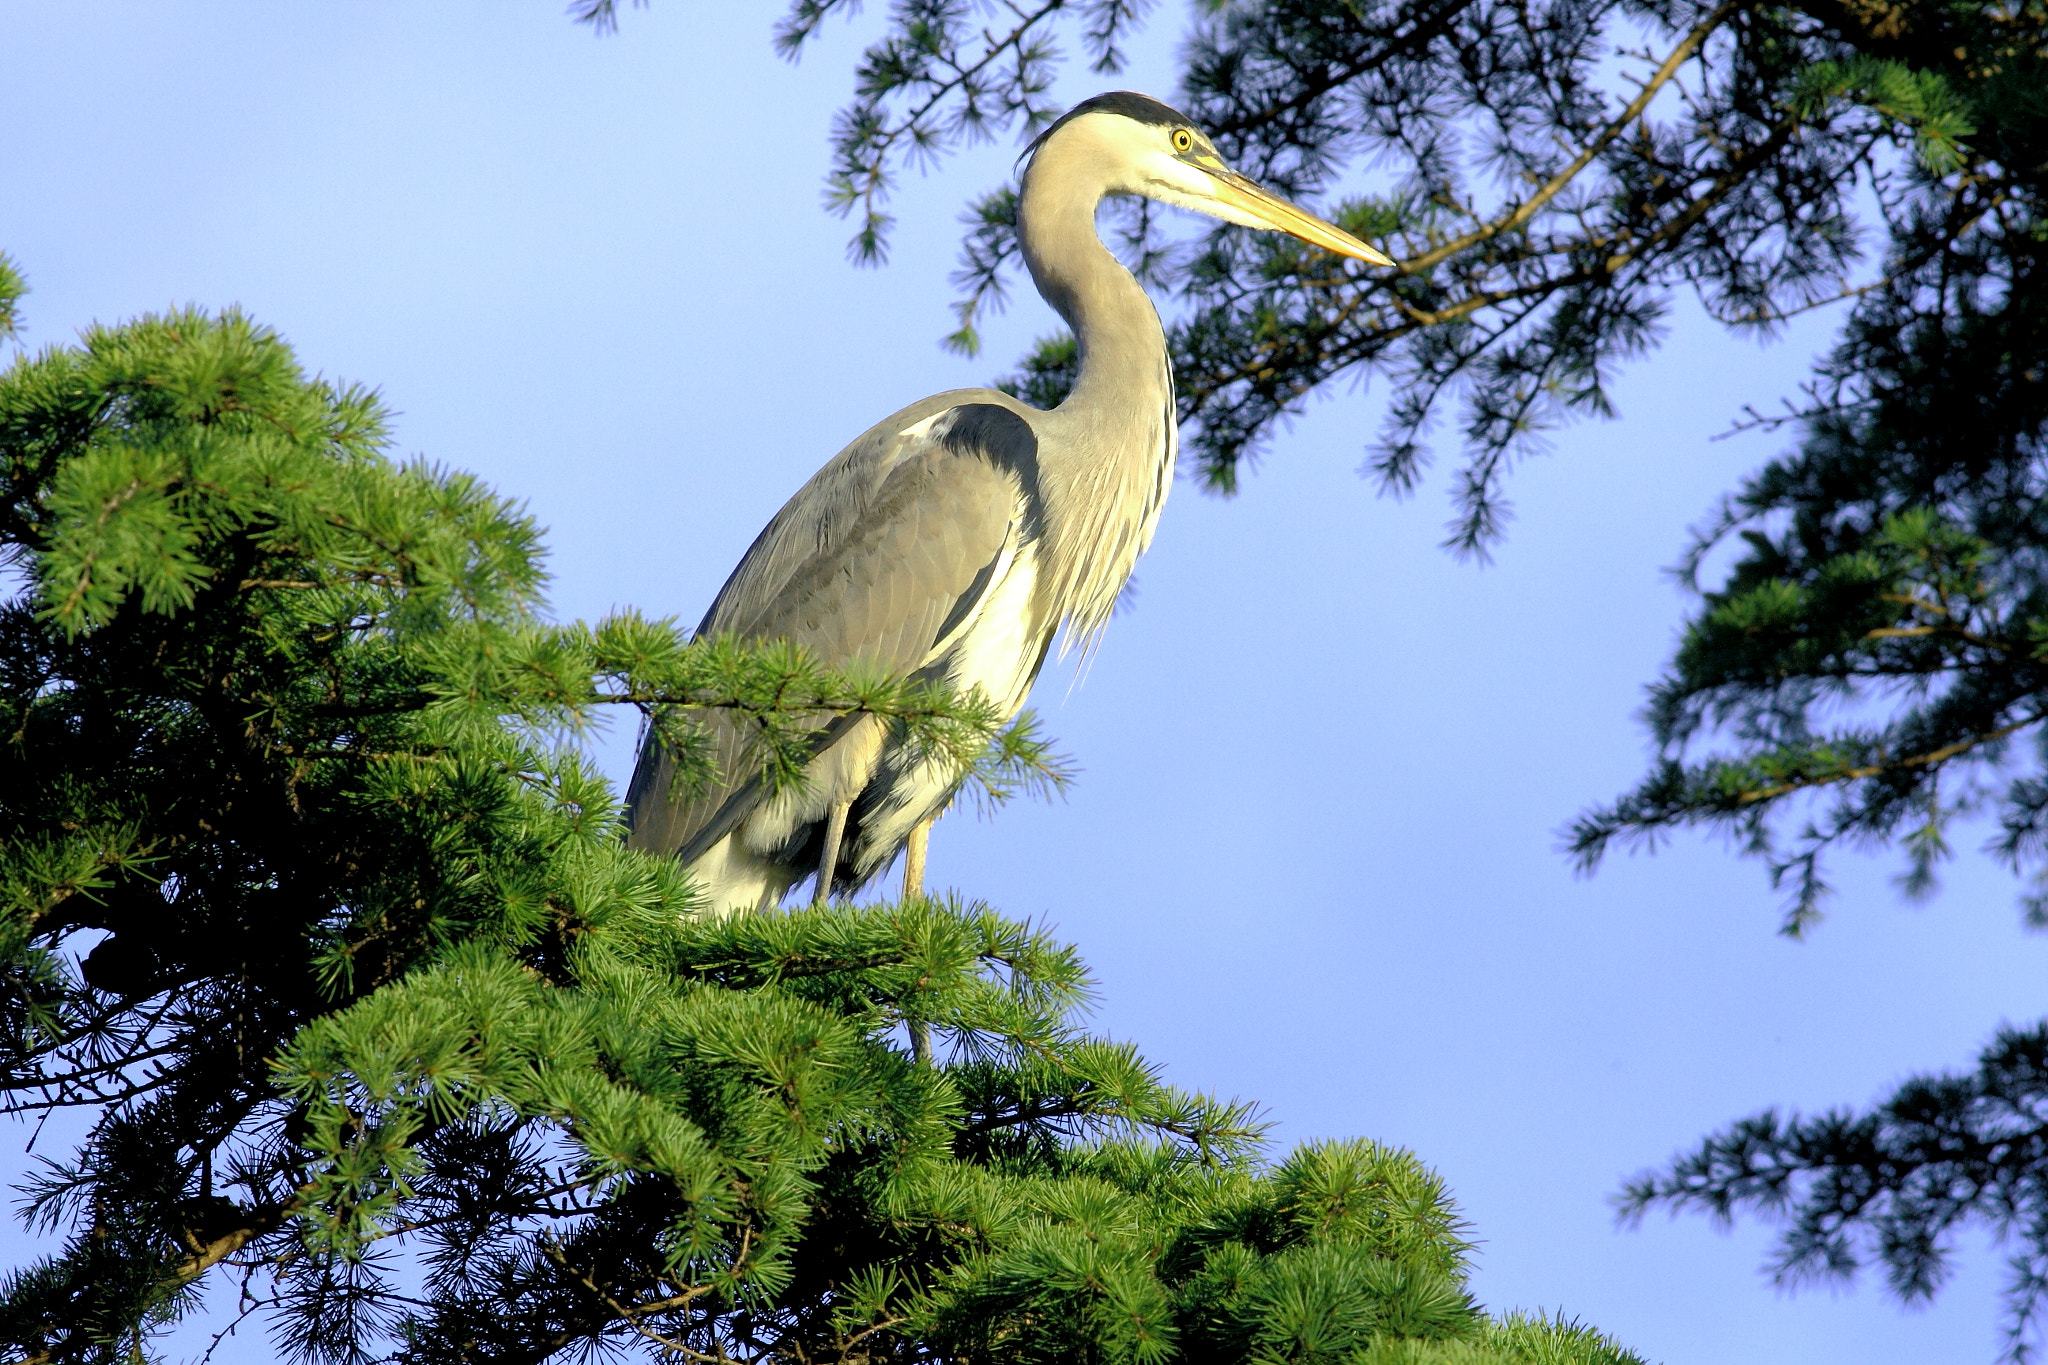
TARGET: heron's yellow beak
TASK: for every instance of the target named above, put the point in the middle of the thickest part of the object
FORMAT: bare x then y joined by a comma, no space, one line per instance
1267,207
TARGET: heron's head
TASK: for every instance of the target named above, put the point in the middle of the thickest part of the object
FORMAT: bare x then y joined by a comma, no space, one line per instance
1126,143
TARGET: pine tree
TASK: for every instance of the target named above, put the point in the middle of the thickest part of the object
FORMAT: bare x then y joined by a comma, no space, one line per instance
1870,668
1869,673
310,901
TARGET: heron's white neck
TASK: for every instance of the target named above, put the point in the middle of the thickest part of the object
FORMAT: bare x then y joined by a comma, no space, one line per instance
1122,349
1108,468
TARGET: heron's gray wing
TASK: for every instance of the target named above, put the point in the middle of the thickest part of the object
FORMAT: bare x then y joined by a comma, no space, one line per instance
876,561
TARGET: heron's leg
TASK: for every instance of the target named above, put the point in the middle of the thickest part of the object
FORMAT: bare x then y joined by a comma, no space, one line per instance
913,857
913,888
828,861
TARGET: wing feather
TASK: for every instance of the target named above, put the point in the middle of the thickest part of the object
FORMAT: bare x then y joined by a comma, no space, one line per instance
877,560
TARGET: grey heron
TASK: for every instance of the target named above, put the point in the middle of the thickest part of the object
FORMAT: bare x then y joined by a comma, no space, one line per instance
956,537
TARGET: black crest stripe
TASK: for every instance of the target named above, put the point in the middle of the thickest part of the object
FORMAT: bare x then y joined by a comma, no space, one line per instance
1129,103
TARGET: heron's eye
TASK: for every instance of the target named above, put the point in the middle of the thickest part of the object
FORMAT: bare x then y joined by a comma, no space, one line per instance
1182,139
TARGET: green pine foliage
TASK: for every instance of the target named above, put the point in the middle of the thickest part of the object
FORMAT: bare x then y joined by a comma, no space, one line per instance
1868,670
312,907
12,287
715,1140
280,724
1893,1186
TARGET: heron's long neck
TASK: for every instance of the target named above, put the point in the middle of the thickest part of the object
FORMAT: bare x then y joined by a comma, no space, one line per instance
1109,462
1122,350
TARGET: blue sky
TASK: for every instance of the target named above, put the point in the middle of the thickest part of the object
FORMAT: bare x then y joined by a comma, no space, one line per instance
1313,853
